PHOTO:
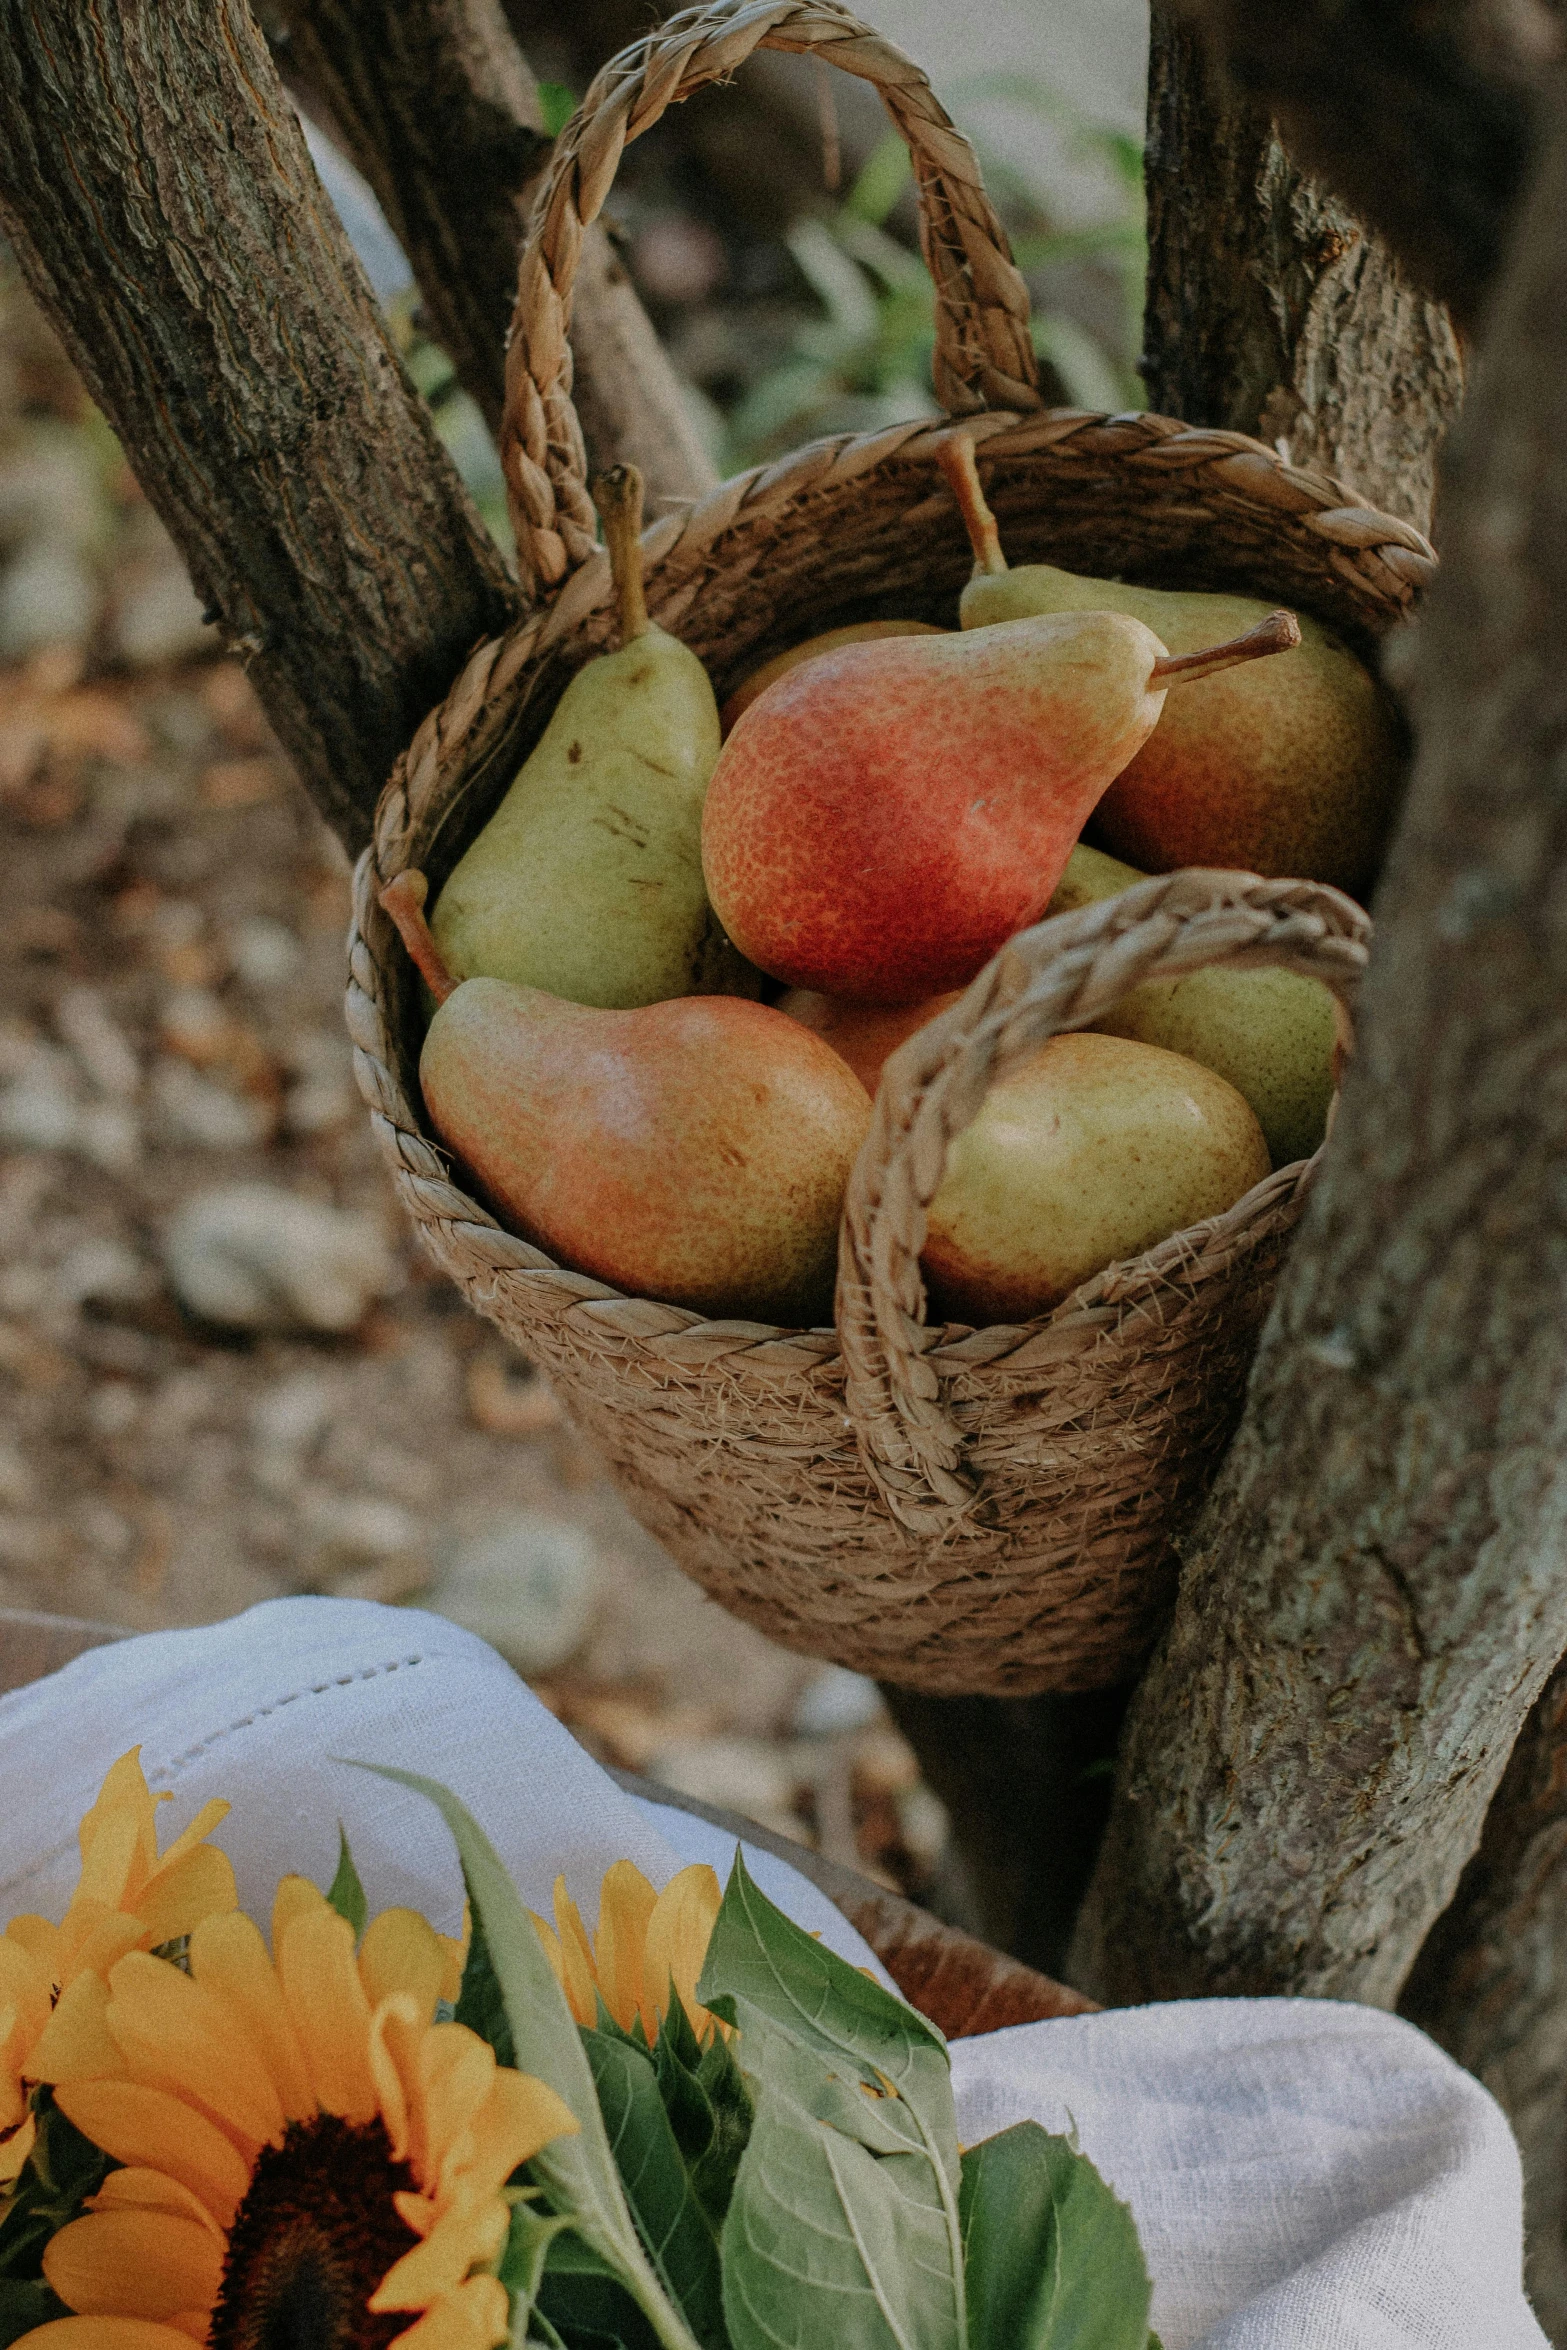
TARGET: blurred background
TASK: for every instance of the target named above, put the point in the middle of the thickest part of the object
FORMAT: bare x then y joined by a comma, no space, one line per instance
224,1372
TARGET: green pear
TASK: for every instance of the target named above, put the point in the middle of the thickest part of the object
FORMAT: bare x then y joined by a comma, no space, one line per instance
1289,768
587,880
1094,1150
1271,1033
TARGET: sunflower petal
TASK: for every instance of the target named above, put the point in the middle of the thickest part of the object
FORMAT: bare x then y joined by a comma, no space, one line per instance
518,2116
678,1933
475,2317
148,2128
177,2034
118,1836
200,1885
134,2264
76,2043
456,2069
461,2239
37,1937
228,1957
152,2190
396,2032
455,1949
576,1953
626,1903
330,2012
97,1949
212,1815
295,1897
401,1952
109,2333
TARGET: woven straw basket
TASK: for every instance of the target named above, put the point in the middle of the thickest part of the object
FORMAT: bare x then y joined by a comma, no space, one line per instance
953,1510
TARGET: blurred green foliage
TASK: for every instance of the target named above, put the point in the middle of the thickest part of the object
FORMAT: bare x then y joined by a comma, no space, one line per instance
865,358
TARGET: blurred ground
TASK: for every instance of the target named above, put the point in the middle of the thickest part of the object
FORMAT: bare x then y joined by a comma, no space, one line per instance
171,925
224,1372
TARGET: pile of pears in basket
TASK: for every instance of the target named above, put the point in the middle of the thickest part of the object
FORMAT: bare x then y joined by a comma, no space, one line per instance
668,971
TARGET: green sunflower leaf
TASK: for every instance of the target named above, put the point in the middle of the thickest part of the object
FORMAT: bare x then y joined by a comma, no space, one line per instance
1051,2255
584,2304
480,2004
709,2107
676,2230
25,2303
345,1892
577,2174
844,2224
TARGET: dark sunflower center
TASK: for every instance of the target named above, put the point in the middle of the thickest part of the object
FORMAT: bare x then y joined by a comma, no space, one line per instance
312,2240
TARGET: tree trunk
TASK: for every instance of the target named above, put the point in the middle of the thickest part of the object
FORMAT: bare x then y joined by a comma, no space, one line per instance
158,194
1270,309
1491,1981
1418,112
441,114
1372,1598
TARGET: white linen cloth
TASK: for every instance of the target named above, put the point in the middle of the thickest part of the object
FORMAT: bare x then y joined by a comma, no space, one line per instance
1303,2174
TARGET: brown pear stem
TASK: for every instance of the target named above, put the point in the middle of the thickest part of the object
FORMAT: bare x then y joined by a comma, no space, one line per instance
618,496
403,898
955,456
1277,634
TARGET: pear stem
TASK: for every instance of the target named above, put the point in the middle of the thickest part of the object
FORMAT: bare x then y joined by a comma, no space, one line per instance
403,898
618,496
1277,634
955,456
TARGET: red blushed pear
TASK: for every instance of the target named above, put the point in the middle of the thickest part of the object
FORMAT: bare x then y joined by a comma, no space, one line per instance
886,816
862,1034
695,1150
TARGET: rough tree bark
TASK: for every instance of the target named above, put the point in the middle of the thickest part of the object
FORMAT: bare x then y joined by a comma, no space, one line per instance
1491,1981
160,200
437,107
1271,310
1372,1599
1418,112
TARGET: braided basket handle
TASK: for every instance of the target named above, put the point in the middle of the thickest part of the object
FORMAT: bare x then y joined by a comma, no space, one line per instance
984,358
1063,974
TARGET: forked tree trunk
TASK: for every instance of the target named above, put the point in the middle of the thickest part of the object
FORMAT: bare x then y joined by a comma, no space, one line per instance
157,192
1271,310
1373,1598
441,114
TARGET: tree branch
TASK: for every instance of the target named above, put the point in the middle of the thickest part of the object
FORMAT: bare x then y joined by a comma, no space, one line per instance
439,111
1271,310
1372,1599
162,205
1418,112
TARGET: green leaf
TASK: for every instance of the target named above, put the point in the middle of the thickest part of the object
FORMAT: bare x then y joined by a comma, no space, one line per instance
62,2170
709,2108
835,2237
480,2004
846,2196
521,2270
345,1892
25,2304
558,103
584,2303
677,2233
577,2174
883,176
1051,2255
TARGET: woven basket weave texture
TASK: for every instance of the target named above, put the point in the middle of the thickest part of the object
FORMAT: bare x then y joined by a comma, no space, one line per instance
956,1511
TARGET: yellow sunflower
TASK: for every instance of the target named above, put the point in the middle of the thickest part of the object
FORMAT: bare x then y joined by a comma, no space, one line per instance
645,1942
128,1898
309,2156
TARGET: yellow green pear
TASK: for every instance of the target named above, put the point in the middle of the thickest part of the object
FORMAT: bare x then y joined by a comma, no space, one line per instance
1270,1033
587,880
1284,768
1094,1150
